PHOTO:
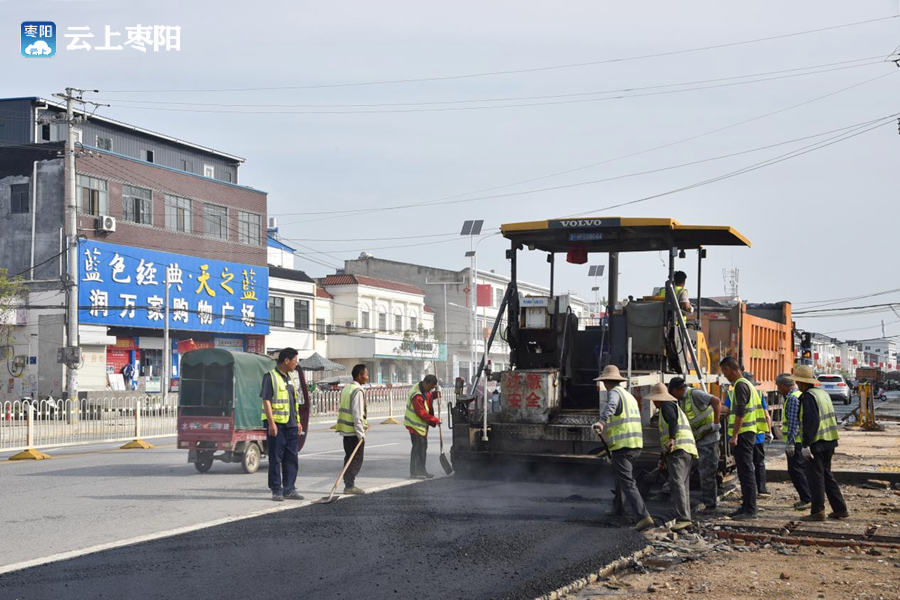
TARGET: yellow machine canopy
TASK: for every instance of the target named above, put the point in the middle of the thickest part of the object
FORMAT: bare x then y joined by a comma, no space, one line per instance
619,234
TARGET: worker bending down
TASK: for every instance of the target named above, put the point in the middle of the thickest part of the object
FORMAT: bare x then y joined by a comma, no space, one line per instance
419,417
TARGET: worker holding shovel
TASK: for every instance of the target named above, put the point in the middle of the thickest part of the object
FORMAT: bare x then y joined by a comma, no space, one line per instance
419,417
352,425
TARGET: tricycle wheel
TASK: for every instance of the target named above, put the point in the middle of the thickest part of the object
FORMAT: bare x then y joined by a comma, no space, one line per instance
251,458
204,462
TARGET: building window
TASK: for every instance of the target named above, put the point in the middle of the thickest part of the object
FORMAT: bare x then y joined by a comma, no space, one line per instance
249,228
215,223
276,311
104,143
136,205
398,322
301,314
18,198
364,321
320,329
45,133
178,213
413,323
209,171
94,197
147,155
498,296
382,321
187,165
227,176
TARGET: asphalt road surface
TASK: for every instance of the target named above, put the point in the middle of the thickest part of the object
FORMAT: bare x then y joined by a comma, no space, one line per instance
90,496
446,538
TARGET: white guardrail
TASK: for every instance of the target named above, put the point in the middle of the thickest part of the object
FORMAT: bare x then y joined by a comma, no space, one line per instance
41,424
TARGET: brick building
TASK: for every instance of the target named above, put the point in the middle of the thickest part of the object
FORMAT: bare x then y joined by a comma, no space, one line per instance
148,204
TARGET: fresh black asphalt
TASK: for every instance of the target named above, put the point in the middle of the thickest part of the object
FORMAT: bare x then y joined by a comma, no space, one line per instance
446,538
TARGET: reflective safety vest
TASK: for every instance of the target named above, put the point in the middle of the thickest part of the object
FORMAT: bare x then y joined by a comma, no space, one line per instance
793,396
412,419
281,403
828,428
345,414
678,290
755,416
684,436
624,429
701,423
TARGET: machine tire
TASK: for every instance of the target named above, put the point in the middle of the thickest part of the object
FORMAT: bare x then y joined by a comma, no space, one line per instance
251,458
204,462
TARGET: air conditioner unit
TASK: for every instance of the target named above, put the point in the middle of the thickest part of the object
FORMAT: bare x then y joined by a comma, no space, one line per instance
106,223
351,324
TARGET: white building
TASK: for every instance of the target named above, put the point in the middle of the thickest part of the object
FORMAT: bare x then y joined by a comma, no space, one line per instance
384,324
885,352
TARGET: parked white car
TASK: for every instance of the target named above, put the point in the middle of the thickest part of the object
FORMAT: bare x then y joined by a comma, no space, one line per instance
836,386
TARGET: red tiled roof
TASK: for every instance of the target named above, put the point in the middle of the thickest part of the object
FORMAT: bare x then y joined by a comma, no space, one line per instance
372,282
428,309
321,293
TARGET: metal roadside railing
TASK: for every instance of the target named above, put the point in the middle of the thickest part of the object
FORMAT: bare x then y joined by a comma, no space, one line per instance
41,424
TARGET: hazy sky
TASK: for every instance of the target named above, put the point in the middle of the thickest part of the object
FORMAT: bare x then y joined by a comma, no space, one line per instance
823,225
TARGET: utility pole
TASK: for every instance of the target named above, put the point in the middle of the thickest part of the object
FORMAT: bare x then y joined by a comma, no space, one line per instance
72,248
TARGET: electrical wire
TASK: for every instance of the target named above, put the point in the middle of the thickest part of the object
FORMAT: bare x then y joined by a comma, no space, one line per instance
517,71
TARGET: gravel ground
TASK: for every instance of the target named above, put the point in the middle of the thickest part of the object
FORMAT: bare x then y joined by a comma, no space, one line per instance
446,538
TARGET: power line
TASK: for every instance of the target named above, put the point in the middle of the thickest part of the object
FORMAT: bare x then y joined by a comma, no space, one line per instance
518,71
608,160
794,72
487,107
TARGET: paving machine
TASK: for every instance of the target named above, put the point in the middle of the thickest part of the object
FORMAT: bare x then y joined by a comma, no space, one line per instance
549,398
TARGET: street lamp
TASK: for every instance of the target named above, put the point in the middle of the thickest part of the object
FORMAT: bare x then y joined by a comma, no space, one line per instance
596,271
472,229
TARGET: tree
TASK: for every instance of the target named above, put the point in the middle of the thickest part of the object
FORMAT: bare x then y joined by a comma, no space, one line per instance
12,290
418,347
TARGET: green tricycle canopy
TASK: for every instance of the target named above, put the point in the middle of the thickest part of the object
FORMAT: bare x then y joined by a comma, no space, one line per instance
222,382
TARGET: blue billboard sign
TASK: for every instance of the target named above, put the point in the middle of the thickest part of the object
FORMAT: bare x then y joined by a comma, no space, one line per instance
125,286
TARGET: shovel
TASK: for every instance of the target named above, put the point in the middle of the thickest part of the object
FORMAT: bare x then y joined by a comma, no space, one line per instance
328,499
445,462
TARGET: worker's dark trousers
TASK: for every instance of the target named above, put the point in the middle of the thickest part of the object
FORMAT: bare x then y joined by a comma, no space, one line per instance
627,494
797,472
678,463
743,458
822,483
707,466
418,454
283,464
350,442
759,463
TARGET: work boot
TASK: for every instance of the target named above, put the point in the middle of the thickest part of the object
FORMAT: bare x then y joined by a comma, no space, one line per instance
679,525
737,513
746,516
353,490
819,516
644,523
293,495
428,475
277,497
419,477
838,515
801,505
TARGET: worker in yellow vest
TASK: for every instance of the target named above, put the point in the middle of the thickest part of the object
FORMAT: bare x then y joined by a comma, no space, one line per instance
820,438
702,410
419,417
681,293
281,420
793,437
352,425
746,418
620,419
678,451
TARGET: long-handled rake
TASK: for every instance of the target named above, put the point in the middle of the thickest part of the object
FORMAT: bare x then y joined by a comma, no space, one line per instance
331,498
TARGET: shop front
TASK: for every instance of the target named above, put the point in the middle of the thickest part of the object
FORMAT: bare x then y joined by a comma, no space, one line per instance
211,304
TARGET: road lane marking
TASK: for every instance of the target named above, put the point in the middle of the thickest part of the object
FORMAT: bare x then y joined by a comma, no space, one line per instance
181,530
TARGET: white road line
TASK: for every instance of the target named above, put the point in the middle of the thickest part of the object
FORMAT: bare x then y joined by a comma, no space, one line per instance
178,531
